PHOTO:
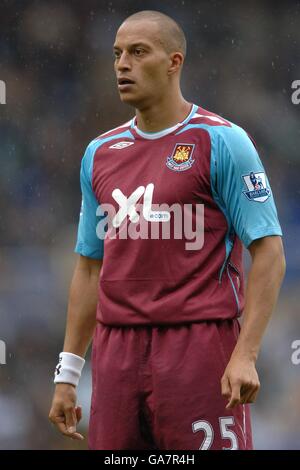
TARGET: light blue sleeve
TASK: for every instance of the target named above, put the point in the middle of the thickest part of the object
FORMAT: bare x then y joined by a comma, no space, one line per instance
88,244
240,185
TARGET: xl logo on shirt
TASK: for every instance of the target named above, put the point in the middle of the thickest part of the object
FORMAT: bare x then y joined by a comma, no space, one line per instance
131,219
128,206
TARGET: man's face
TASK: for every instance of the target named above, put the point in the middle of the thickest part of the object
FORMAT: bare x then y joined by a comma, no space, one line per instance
141,63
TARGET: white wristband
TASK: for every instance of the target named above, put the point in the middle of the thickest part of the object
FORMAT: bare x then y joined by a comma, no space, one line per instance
68,369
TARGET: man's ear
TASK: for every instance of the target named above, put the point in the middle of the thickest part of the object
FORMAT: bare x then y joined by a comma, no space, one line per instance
176,62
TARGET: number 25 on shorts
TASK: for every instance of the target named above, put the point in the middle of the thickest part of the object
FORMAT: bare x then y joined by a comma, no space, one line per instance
209,432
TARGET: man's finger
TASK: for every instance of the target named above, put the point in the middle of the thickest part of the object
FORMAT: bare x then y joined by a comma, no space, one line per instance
246,392
235,396
78,411
77,436
59,419
225,387
63,429
71,420
56,418
251,396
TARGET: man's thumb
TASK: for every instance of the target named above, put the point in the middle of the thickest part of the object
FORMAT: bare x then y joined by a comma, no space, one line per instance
71,420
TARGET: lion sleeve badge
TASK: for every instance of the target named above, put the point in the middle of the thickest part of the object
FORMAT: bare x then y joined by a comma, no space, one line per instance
257,189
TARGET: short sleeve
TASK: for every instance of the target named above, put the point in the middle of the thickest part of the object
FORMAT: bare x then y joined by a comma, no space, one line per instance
88,243
241,187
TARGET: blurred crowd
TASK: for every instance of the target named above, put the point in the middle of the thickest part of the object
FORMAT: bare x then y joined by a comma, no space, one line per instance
56,60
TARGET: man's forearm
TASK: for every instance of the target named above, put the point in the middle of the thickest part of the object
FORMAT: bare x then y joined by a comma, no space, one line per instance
81,317
264,281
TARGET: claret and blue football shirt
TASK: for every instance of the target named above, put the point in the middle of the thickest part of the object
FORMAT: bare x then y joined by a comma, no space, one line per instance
204,160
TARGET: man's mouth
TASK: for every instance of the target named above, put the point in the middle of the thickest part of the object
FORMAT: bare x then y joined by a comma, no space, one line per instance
124,83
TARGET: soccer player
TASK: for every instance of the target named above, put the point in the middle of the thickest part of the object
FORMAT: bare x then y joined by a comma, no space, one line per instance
171,366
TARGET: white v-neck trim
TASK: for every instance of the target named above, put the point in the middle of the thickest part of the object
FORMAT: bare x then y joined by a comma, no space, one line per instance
157,135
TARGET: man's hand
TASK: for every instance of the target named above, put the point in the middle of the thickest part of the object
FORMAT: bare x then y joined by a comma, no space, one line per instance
64,413
240,382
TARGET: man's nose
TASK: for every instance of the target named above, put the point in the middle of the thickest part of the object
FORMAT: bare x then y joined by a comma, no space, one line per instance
124,62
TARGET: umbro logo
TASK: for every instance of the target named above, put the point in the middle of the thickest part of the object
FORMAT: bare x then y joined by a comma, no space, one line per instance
121,145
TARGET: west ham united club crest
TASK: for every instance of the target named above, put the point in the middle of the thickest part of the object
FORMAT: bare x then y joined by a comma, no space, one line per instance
181,158
257,187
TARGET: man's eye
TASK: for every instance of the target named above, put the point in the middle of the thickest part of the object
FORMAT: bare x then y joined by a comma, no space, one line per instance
139,51
117,55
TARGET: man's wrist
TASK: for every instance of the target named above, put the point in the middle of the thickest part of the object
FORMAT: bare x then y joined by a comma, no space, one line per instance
68,369
245,353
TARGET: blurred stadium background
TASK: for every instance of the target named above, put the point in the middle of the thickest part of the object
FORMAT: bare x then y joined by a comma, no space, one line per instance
56,60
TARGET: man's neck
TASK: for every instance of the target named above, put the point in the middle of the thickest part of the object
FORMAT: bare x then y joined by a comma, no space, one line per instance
162,115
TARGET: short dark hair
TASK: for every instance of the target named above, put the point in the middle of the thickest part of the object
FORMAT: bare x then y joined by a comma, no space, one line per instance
172,35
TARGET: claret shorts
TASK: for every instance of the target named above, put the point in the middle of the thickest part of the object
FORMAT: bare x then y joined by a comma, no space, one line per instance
160,388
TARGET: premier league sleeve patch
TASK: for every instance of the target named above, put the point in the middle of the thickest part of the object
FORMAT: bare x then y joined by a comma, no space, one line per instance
257,189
